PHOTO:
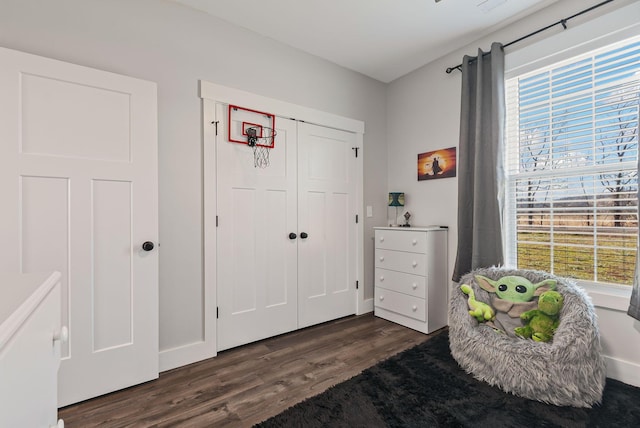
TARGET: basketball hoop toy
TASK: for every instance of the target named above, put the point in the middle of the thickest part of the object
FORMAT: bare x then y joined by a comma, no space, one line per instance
254,128
260,139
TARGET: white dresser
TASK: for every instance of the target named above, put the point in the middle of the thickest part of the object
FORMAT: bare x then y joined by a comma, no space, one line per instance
411,276
30,336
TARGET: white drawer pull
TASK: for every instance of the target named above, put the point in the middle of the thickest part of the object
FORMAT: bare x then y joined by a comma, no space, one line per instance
414,308
382,239
60,424
381,278
414,242
381,298
62,335
414,285
414,264
381,258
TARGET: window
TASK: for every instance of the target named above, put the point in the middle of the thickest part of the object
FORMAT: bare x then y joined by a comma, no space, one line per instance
572,166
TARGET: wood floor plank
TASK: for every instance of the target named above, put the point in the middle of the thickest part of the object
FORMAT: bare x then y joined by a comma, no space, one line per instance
248,384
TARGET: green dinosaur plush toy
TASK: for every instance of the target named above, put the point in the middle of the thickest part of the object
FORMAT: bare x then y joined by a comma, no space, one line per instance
541,323
479,310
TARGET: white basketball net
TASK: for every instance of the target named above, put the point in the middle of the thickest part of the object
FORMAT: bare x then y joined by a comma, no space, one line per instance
260,145
260,156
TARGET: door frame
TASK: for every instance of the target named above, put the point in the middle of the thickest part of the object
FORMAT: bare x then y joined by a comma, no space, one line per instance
211,94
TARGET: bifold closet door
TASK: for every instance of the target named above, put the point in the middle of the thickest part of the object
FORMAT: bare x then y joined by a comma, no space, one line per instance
286,234
79,185
256,256
327,215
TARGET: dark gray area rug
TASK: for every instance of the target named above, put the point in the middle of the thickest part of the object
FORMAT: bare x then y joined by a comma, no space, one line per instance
425,387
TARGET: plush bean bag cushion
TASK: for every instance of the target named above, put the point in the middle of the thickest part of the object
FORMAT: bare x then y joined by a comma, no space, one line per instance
569,371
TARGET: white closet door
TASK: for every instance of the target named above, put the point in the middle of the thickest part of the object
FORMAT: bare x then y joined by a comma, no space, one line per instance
326,210
256,258
78,184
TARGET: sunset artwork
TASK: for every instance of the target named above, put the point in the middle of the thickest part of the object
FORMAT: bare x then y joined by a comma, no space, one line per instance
437,164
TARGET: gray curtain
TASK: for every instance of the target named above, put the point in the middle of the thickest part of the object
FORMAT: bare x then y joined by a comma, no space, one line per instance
480,171
634,305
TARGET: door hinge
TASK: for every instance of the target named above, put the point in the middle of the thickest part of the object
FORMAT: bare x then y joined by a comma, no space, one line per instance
217,312
357,284
356,218
215,122
216,221
355,149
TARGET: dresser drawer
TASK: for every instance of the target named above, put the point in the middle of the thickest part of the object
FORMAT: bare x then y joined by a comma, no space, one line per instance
412,263
402,240
401,282
409,306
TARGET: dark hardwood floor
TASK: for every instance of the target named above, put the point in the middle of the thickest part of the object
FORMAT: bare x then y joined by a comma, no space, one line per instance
251,383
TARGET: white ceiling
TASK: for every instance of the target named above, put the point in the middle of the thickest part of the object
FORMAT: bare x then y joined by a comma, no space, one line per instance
383,39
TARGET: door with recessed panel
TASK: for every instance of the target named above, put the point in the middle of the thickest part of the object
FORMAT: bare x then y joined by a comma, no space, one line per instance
327,224
256,235
78,184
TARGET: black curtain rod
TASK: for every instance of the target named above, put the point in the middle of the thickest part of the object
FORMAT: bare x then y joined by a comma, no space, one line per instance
562,22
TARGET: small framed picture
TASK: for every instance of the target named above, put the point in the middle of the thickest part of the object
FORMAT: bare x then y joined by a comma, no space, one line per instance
437,164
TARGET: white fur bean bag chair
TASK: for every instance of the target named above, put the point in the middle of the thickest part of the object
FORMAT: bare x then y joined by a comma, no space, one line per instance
569,371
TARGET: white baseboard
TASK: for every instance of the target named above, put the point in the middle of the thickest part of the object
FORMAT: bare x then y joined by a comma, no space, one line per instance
624,371
183,355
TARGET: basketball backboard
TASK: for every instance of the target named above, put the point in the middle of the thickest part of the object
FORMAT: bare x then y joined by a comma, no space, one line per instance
245,123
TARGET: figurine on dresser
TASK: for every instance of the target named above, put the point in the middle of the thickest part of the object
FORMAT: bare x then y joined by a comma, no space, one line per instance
407,216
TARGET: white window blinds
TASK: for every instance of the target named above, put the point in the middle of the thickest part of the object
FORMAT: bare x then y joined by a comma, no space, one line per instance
572,157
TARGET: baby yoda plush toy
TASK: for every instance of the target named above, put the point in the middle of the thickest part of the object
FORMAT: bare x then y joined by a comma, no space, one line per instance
511,296
515,288
541,323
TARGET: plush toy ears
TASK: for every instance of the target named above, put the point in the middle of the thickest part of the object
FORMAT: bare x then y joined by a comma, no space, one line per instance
546,285
486,283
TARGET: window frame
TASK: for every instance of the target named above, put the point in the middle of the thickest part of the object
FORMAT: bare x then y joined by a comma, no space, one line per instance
563,112
604,30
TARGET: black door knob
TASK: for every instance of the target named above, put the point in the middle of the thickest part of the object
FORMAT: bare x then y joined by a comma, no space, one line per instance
304,235
292,235
147,246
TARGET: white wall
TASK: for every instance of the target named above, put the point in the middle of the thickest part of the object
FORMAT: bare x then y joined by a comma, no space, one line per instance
423,114
175,46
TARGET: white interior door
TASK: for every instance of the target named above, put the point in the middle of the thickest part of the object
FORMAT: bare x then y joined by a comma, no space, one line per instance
78,184
326,214
256,258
